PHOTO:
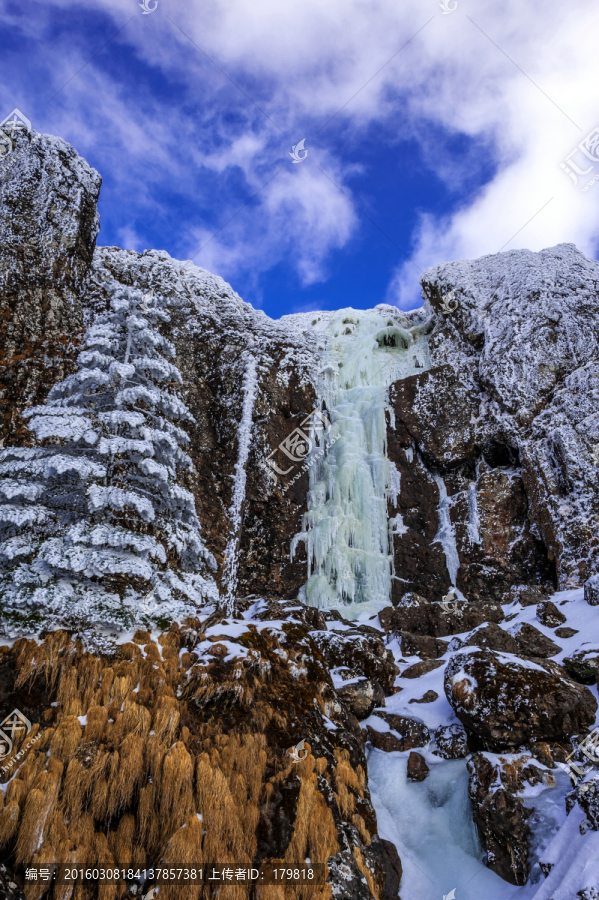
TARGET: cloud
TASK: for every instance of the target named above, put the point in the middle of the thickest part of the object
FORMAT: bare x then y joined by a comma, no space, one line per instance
514,80
301,214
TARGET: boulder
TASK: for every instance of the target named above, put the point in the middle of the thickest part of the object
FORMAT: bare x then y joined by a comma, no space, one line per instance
422,668
417,767
360,649
383,740
392,867
450,742
362,696
411,599
507,702
542,751
591,590
348,880
422,645
583,666
587,795
565,632
528,595
549,615
413,732
492,637
533,642
428,697
406,733
501,819
439,619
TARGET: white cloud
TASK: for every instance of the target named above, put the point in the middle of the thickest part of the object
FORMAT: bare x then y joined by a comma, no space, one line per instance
300,63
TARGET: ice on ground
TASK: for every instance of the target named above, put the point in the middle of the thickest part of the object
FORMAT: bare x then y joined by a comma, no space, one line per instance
431,825
431,822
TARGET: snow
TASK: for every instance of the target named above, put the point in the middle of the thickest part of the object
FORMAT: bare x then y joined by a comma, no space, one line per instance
431,825
575,859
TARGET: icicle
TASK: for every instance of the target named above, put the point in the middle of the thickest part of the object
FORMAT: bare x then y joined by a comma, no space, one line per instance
445,533
473,517
244,434
346,531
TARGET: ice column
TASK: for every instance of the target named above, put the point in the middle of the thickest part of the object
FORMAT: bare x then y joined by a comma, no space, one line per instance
446,533
346,530
244,435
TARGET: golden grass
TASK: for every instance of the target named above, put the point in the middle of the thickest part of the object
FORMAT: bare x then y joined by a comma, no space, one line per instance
121,841
9,822
36,812
363,867
66,739
144,780
184,849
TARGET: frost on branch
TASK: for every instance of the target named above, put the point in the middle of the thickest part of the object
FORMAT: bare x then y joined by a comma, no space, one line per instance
94,520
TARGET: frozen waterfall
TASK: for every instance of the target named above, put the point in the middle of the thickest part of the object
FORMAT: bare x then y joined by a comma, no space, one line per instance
346,529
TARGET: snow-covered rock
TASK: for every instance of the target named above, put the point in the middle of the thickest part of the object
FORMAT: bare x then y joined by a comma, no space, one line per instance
508,701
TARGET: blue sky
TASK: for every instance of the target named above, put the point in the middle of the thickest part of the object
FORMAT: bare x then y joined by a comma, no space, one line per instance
444,134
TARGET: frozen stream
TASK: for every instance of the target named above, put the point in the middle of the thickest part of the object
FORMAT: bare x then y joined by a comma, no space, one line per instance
431,825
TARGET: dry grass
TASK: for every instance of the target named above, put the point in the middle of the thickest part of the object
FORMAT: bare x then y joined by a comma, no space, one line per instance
184,849
9,822
363,867
144,780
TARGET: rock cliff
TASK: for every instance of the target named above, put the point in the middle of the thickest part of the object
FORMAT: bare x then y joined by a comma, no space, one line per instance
438,470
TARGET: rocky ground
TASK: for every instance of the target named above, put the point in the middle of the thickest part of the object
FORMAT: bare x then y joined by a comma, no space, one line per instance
176,744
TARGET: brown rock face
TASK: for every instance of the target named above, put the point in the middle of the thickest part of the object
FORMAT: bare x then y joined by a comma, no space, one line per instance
507,703
533,642
361,697
48,228
501,819
437,620
437,422
249,385
506,552
529,354
417,767
442,430
419,563
549,615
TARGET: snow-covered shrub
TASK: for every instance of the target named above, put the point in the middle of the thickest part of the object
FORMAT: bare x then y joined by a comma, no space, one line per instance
94,526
